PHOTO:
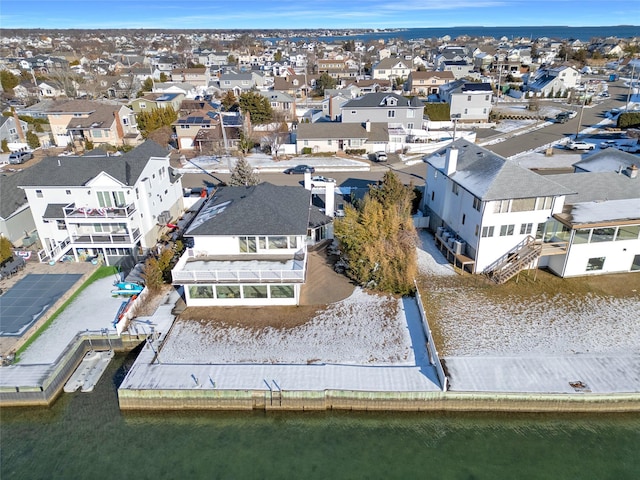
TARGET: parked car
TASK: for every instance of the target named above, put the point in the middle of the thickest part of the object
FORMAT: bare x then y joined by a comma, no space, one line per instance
320,178
299,169
580,145
563,117
608,143
634,148
380,156
20,157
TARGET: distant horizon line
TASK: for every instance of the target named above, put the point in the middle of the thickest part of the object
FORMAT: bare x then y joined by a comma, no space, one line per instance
321,28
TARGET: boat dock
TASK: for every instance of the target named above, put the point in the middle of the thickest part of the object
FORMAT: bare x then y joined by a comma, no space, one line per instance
89,371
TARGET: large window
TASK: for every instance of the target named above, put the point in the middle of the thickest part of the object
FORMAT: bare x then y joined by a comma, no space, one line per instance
603,235
248,244
254,291
582,236
544,203
501,206
628,232
228,291
277,243
111,199
201,291
282,291
523,204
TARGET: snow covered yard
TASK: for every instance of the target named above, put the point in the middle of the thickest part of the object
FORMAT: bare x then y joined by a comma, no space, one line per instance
363,329
472,324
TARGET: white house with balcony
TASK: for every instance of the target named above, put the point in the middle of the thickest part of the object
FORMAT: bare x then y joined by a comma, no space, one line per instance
492,216
101,206
248,246
601,222
486,210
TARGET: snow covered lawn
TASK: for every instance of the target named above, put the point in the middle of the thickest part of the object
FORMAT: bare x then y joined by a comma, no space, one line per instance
363,329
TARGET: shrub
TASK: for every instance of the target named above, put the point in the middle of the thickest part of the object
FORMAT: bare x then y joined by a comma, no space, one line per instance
5,250
307,151
629,120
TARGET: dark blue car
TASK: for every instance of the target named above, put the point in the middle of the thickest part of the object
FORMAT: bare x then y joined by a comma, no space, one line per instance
299,169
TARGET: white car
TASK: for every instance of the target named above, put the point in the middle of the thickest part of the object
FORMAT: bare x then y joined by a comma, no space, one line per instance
608,143
320,178
580,145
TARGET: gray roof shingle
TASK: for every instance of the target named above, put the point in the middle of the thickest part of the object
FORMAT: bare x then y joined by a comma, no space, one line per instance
263,209
77,171
489,176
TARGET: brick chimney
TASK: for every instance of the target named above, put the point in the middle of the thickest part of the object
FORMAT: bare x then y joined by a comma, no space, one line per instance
119,128
21,134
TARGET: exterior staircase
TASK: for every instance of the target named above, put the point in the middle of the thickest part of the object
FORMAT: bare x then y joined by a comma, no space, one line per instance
518,258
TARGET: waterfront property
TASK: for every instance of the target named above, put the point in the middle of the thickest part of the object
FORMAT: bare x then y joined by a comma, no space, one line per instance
98,205
248,246
498,218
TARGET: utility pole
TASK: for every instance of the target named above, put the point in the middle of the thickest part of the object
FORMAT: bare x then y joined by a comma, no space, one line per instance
584,100
633,71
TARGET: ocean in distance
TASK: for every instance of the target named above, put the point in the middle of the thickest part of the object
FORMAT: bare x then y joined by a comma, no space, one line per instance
85,435
554,32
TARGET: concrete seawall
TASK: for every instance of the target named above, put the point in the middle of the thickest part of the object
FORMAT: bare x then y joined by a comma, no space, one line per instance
40,385
372,401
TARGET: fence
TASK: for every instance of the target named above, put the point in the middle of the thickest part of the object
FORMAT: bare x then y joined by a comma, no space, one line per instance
431,346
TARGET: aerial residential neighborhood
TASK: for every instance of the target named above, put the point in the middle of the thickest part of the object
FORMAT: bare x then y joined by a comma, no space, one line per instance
281,216
381,240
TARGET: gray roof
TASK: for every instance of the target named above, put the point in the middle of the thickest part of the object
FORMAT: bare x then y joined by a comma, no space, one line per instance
12,197
263,209
599,186
332,130
489,176
607,160
374,100
77,171
54,210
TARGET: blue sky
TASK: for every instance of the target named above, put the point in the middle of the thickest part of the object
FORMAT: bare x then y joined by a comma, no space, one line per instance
290,14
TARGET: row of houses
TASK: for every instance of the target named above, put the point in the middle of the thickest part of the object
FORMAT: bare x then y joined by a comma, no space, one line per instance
250,245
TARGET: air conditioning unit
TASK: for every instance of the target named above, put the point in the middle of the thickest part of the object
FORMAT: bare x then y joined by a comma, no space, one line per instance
458,247
451,241
439,231
446,235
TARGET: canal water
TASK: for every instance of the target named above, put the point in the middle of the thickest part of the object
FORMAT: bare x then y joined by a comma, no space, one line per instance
87,436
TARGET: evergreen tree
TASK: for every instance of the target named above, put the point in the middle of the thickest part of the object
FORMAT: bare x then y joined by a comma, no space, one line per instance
229,102
325,82
155,119
8,80
243,175
32,140
257,106
378,238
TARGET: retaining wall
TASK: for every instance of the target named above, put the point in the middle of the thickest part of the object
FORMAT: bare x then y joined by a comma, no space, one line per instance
45,392
372,401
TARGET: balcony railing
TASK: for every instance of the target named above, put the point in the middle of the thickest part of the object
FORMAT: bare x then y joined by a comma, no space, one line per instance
105,238
71,211
237,276
240,269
